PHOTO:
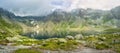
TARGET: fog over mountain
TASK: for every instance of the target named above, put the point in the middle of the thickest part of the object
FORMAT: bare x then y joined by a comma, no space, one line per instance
43,7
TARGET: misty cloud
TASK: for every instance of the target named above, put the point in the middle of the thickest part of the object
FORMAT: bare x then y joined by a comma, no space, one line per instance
27,7
95,4
43,7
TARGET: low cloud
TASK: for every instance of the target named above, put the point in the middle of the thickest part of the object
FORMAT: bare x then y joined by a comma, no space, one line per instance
43,7
95,4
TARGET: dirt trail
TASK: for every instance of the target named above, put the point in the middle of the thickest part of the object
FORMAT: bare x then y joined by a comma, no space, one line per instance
84,50
9,49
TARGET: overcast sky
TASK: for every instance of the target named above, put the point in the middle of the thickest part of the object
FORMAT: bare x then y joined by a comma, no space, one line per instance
41,7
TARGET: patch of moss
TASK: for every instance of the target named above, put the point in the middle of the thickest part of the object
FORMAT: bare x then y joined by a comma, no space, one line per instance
101,46
27,51
57,45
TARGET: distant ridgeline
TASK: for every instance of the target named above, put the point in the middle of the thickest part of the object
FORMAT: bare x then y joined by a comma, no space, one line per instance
60,23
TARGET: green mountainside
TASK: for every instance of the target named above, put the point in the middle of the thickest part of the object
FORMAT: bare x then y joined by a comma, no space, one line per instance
8,29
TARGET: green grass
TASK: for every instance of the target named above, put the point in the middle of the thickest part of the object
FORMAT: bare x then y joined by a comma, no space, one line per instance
102,46
104,41
27,51
55,44
8,29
